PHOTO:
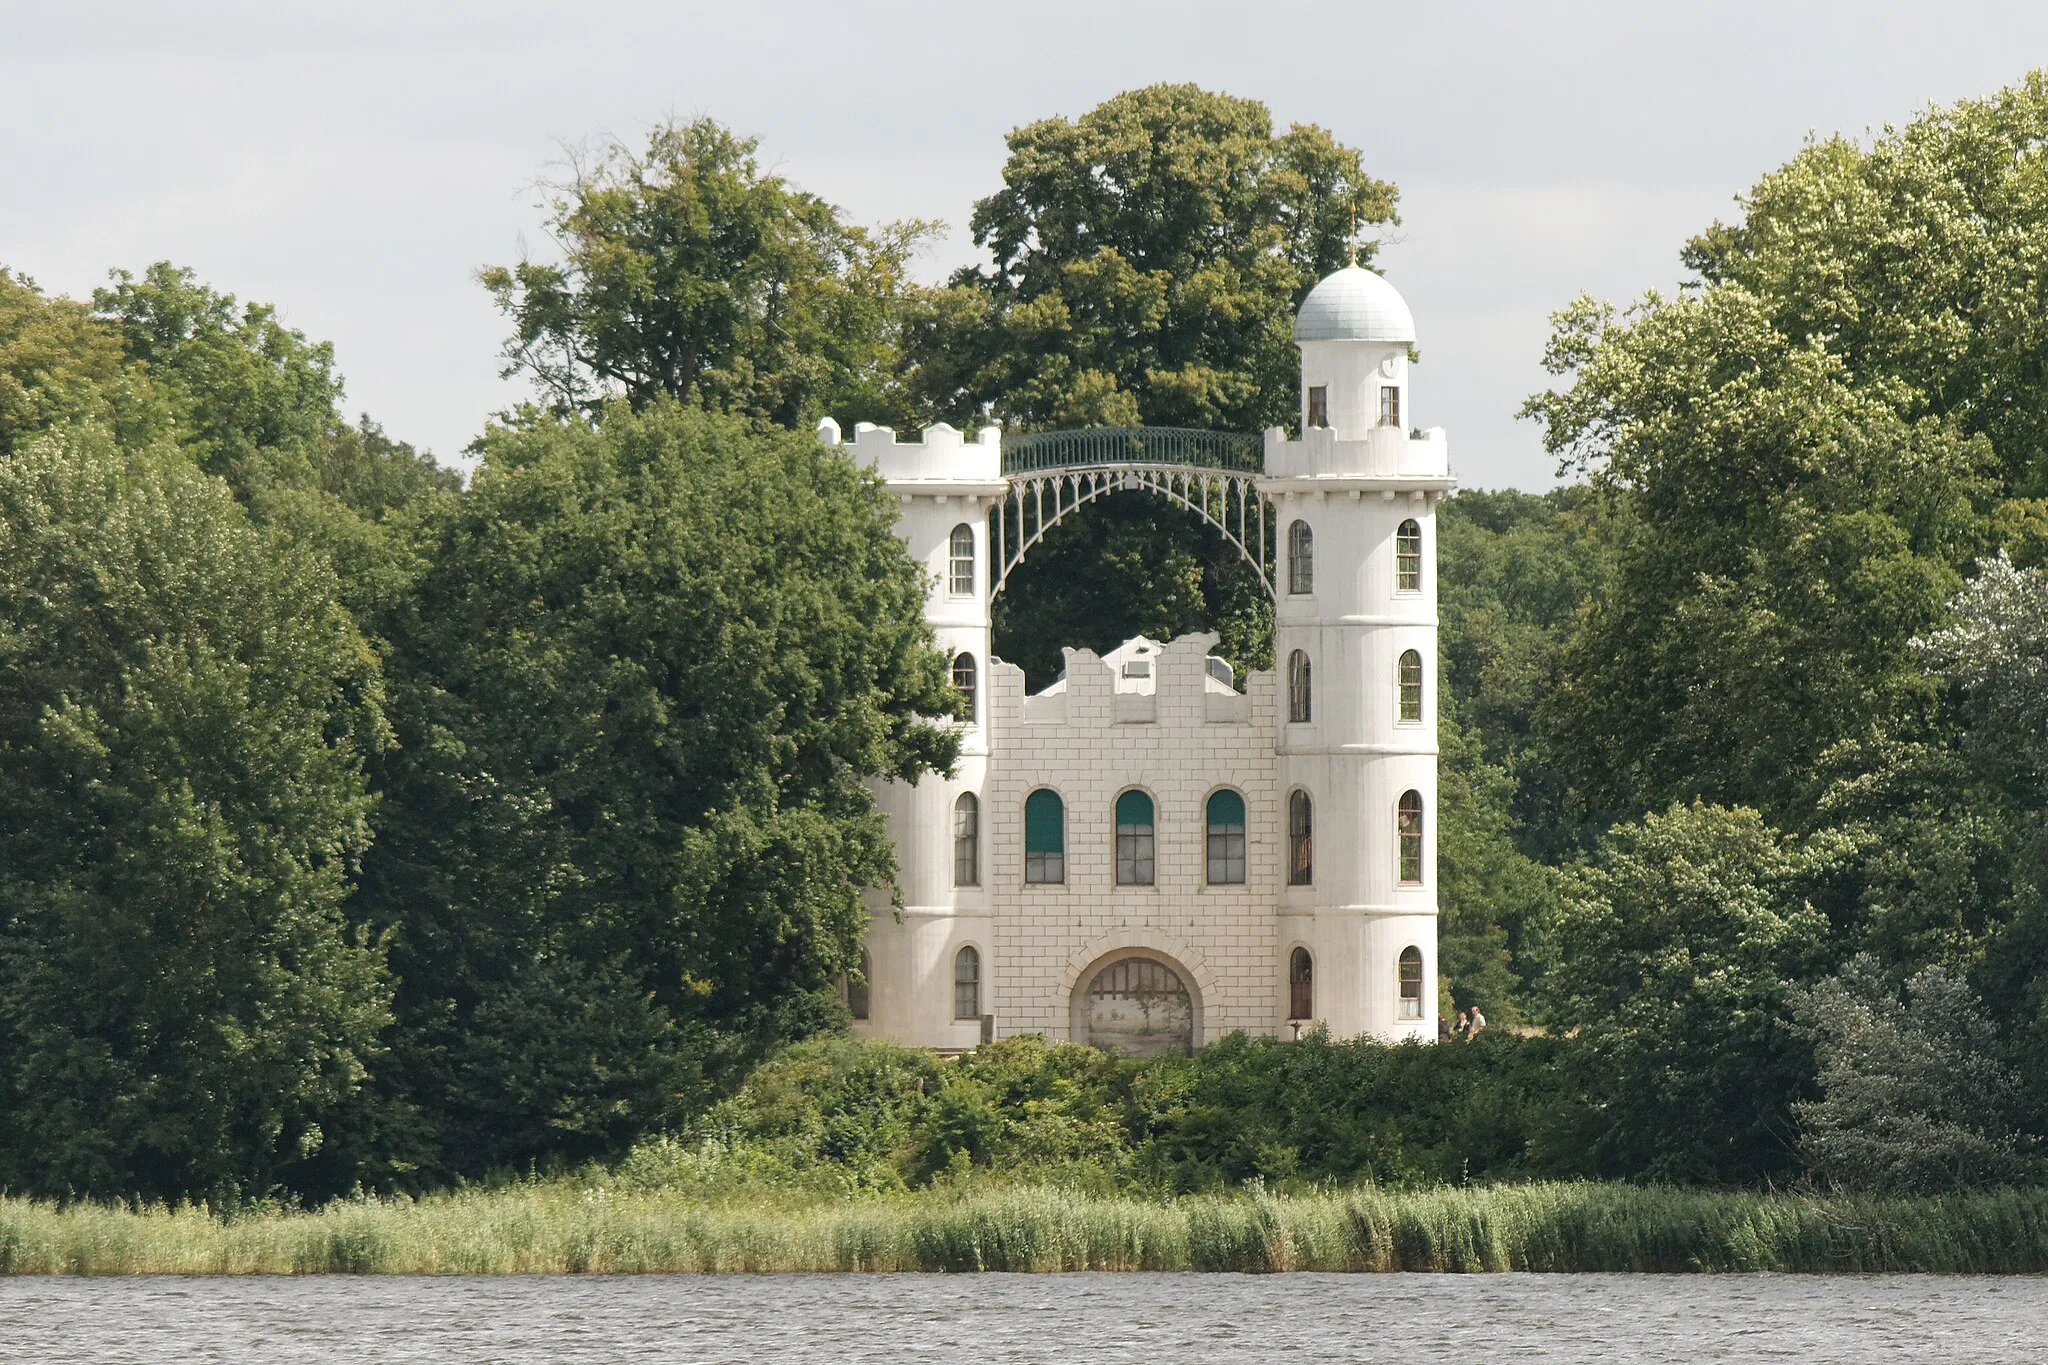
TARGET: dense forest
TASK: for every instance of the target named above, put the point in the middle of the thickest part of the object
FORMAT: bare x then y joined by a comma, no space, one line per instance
365,827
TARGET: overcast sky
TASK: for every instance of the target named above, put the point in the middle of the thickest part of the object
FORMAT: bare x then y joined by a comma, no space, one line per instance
355,163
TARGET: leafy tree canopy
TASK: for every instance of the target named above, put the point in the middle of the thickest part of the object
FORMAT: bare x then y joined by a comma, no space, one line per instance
686,272
1674,950
1783,533
1148,258
183,714
639,688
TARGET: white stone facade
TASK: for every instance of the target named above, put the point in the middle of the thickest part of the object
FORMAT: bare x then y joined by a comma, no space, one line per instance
1162,720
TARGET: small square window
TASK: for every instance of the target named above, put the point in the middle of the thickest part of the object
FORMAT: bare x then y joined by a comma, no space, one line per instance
1319,405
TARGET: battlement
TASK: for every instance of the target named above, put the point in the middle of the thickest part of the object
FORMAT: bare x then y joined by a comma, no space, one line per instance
940,454
1384,453
1141,682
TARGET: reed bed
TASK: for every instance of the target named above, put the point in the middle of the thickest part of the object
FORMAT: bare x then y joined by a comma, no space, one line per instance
566,1228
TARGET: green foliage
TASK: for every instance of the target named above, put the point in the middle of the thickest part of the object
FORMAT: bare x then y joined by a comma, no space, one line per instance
1915,1094
1918,262
1147,261
686,272
60,365
1674,952
251,399
1783,535
183,715
638,687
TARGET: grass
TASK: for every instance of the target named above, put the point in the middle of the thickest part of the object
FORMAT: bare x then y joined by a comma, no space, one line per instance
563,1227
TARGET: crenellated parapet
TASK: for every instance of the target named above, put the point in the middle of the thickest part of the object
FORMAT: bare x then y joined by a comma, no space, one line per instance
1409,460
941,454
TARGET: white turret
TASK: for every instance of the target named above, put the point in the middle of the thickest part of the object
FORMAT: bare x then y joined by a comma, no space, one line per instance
944,485
1354,503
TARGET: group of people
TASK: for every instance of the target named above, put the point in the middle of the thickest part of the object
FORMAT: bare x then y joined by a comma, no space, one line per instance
1470,1024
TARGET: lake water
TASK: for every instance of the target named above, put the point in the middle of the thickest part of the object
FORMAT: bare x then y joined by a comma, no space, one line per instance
1156,1319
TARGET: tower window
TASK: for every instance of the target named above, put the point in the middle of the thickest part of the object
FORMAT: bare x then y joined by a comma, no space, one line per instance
1301,842
1226,839
1319,405
1408,828
967,840
1301,985
967,984
1411,684
1411,982
960,561
1390,406
1299,707
1301,559
963,683
1408,556
1134,862
1045,837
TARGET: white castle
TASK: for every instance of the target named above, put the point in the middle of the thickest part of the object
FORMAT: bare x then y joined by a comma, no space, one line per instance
1143,856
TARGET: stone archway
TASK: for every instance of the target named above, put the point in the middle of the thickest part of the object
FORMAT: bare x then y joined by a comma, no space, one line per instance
1136,1003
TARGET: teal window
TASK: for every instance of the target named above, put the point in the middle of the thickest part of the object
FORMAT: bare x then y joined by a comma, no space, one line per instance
1226,839
1134,839
1045,837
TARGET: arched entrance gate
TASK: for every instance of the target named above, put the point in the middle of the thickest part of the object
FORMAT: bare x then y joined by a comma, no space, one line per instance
1136,1004
1210,473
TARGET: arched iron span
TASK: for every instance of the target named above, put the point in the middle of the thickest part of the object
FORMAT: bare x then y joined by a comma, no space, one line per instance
1037,501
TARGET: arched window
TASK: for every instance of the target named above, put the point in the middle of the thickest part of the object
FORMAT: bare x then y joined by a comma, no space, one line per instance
960,561
1226,839
1411,684
967,984
1301,840
1408,825
1301,985
1408,557
1298,708
1411,982
967,840
1045,837
1301,558
1134,839
963,683
857,987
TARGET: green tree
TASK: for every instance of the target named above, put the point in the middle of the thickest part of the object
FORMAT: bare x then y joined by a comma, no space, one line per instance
1514,572
251,398
58,364
687,272
184,710
1673,955
1916,1096
1147,261
638,688
1782,534
1916,262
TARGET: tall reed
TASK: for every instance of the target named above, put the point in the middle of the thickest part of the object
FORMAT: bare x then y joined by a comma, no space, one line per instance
564,1227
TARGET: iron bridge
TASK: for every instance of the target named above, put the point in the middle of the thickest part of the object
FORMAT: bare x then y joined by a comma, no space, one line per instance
1052,474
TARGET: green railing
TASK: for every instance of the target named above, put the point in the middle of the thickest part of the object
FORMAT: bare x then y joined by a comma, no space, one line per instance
1237,451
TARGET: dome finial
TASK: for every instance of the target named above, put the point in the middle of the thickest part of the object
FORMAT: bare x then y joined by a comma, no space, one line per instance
1351,242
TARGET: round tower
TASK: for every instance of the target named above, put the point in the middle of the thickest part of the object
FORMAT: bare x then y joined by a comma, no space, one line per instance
944,486
1355,657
